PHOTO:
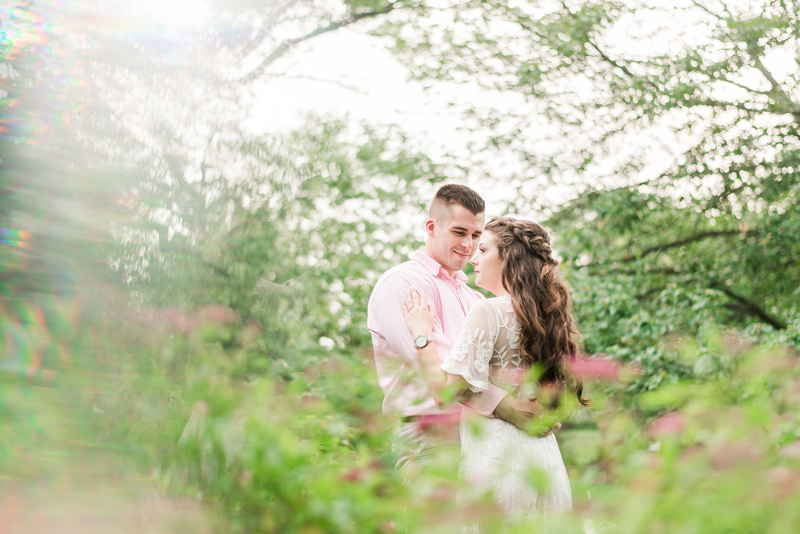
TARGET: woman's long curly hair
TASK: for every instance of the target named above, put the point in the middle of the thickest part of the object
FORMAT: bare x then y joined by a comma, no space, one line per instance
540,299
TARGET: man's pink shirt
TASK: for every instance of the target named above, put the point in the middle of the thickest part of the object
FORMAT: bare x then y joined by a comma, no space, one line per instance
404,389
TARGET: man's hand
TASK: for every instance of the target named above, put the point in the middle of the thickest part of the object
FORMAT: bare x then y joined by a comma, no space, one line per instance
520,413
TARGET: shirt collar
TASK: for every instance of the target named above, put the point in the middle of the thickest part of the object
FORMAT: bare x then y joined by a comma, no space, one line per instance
435,269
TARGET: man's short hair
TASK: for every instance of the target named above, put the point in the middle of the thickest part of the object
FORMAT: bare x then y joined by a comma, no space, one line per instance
450,194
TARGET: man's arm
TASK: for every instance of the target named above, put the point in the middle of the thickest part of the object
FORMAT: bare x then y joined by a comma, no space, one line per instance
389,314
522,412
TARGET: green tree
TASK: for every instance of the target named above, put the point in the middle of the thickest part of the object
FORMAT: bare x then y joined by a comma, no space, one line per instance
676,125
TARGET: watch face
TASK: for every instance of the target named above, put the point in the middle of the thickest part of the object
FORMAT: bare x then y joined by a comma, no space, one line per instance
421,341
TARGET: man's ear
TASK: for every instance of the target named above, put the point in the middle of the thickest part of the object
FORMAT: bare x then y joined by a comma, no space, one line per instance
430,226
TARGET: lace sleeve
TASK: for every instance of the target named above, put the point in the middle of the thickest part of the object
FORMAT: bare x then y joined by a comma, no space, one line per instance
472,353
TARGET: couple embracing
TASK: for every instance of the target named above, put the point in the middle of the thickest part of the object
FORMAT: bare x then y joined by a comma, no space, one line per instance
445,354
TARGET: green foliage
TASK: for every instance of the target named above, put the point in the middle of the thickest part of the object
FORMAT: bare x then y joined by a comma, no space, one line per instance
222,340
677,125
645,268
302,233
275,453
307,449
722,438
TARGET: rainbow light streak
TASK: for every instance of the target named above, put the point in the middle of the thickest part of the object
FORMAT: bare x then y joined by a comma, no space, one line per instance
28,342
27,32
14,234
29,48
14,238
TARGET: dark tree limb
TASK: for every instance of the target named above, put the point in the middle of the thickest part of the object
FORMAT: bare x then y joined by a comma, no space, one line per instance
704,8
289,43
685,241
216,268
740,303
632,272
709,102
613,62
776,87
742,86
677,243
712,103
751,307
777,90
178,249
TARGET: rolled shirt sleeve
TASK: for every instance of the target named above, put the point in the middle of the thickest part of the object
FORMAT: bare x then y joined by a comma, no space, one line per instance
389,315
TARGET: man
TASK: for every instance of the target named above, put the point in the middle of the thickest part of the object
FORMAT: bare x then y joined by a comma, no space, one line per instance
454,227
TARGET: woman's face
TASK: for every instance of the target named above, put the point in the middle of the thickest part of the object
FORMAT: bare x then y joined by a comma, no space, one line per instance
488,265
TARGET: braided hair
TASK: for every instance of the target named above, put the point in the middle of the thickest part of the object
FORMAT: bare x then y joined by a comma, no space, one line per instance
540,298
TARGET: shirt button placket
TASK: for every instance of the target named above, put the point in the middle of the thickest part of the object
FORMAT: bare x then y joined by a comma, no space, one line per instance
460,300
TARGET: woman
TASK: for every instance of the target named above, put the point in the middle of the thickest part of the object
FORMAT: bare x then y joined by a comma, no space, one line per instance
527,325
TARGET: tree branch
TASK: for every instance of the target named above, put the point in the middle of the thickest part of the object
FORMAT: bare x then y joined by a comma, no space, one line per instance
322,80
751,307
726,8
614,62
177,249
710,102
776,87
704,8
741,303
777,90
742,86
289,43
703,102
691,239
597,48
633,272
672,244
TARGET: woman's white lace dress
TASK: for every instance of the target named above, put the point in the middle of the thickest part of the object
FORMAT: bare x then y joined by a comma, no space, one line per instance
500,457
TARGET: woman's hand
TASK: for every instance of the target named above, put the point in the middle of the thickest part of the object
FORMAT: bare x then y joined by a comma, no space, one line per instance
418,314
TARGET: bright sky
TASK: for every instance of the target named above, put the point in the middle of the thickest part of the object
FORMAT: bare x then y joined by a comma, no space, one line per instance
348,72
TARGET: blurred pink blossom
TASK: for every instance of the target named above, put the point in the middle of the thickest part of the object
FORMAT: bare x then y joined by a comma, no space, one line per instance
669,423
791,450
427,421
177,319
783,480
443,493
214,313
353,475
598,368
725,455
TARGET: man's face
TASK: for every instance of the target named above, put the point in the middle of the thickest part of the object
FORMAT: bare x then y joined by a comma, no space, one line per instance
454,238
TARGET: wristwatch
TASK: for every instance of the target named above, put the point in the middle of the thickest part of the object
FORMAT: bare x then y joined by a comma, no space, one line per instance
421,341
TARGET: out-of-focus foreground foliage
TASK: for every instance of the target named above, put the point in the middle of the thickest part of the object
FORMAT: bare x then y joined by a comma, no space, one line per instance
185,294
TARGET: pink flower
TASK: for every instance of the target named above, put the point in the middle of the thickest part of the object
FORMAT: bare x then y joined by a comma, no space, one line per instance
353,475
426,421
727,454
215,313
791,450
783,481
598,368
670,423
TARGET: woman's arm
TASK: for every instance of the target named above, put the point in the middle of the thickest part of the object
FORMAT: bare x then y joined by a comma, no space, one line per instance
445,388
